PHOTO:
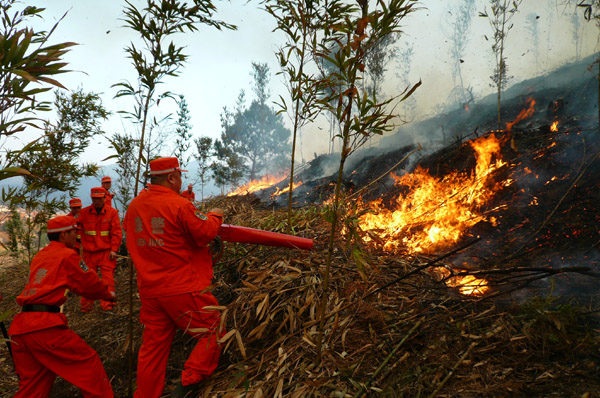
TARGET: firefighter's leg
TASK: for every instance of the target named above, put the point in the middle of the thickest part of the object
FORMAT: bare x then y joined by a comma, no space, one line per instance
65,354
35,380
157,337
107,272
91,260
193,317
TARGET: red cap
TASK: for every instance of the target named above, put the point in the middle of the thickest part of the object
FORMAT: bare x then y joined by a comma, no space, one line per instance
190,186
75,202
60,224
106,179
164,166
98,192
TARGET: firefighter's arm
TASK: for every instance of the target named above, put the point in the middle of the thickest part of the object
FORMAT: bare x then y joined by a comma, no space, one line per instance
84,282
203,228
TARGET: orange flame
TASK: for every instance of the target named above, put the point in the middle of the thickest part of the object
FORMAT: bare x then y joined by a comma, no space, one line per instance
286,189
256,185
436,213
467,284
554,126
524,114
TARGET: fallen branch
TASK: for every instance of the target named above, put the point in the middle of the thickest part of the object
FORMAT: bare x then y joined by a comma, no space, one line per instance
456,365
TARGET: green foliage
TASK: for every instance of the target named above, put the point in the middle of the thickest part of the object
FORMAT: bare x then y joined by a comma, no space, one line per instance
124,146
14,228
203,152
183,135
28,66
228,166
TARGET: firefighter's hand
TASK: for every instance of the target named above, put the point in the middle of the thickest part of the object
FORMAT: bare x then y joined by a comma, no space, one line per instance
216,249
113,297
112,255
217,211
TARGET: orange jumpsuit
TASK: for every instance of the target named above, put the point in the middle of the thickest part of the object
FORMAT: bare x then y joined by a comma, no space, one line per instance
101,233
108,198
43,346
167,240
188,195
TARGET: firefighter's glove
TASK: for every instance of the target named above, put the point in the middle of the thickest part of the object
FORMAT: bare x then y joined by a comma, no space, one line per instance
216,249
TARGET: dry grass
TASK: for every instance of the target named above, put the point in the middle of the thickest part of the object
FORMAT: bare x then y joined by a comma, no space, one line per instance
416,338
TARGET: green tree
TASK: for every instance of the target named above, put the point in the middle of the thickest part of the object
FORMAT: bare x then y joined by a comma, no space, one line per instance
28,65
257,133
204,147
228,167
502,12
57,170
125,147
183,134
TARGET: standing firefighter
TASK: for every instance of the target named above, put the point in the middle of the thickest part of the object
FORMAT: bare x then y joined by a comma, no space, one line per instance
75,206
167,239
189,194
106,184
100,237
42,344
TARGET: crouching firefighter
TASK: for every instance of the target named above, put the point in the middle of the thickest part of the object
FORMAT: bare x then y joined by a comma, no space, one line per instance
42,344
167,239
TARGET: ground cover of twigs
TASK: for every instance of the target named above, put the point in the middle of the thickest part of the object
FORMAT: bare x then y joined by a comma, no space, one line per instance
391,333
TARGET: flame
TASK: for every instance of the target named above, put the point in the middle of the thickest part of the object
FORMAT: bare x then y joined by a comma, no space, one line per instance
554,126
524,114
467,285
286,189
436,213
257,185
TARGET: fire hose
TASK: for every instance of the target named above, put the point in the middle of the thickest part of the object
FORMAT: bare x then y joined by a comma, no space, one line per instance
239,234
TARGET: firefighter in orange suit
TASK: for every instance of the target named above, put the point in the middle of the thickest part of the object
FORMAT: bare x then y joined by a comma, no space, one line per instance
100,237
43,346
75,206
167,239
189,194
106,184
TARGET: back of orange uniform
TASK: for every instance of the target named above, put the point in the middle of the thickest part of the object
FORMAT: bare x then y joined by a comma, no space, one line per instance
167,239
100,231
53,270
188,195
108,198
43,346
